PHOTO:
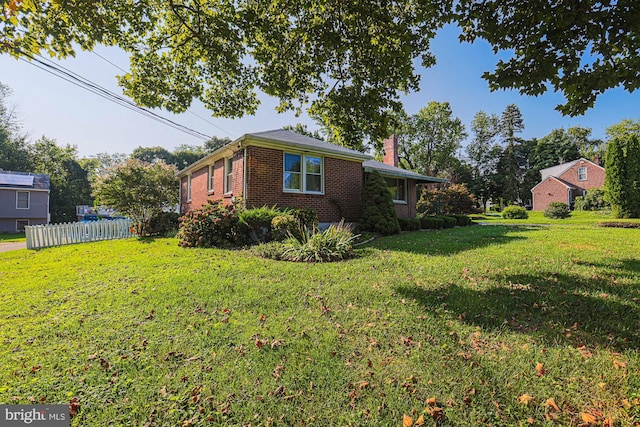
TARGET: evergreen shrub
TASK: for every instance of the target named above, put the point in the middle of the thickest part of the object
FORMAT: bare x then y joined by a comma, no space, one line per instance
515,212
378,210
557,210
409,224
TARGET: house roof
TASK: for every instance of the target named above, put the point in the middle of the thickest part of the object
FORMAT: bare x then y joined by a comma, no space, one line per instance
555,178
26,180
558,170
388,170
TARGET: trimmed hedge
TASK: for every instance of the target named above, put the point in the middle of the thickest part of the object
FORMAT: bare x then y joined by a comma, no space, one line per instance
619,224
431,222
449,221
409,224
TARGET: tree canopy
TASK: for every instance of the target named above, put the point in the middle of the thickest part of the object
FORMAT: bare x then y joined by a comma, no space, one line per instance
348,63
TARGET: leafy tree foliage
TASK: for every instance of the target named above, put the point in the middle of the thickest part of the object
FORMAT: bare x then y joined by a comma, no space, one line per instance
483,153
348,61
592,201
508,169
623,129
215,142
378,210
69,180
14,153
428,140
302,129
622,180
549,41
138,190
454,199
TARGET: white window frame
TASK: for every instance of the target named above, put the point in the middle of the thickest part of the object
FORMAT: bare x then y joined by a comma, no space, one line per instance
210,178
18,199
406,190
303,173
582,169
18,228
189,188
228,175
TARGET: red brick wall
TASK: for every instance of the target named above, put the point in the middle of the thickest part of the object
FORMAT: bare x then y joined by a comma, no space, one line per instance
553,191
200,193
342,186
408,210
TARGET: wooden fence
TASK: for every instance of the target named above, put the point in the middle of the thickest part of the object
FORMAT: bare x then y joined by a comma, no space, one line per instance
42,236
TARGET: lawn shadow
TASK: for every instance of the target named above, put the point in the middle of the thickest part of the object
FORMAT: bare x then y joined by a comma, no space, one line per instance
557,308
452,240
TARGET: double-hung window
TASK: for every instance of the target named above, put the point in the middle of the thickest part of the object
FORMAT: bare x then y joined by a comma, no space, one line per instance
303,173
582,174
228,175
22,200
210,180
398,189
189,187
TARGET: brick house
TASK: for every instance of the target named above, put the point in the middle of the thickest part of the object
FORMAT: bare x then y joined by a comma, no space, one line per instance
24,200
285,169
565,182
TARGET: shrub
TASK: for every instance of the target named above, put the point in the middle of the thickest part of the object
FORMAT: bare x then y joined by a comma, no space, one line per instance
255,223
307,217
164,224
431,222
212,225
284,225
333,244
378,211
592,201
619,224
454,199
557,210
515,212
409,224
449,221
463,220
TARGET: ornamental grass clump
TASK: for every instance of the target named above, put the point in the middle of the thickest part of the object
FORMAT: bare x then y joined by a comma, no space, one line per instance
333,244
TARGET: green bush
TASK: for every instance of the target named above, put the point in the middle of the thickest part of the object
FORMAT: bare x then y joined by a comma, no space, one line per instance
449,221
164,224
557,210
333,244
255,223
463,220
212,225
515,212
617,224
592,201
284,225
431,222
454,199
409,224
307,217
378,210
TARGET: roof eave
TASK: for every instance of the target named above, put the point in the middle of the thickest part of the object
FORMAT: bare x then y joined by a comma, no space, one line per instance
276,143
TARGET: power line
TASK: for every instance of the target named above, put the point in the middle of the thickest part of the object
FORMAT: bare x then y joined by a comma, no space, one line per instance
84,83
188,111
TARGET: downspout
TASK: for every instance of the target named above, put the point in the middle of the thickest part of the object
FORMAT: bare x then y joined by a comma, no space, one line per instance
245,196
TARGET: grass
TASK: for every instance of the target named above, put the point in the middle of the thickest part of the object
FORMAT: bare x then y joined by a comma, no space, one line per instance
588,218
484,323
10,238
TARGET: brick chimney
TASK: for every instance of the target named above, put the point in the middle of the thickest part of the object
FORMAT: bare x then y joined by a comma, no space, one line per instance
596,160
390,147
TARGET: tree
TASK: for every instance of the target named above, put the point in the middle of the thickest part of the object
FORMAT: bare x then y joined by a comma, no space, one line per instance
301,129
14,153
622,181
483,153
378,210
349,62
138,190
624,129
509,171
69,181
549,41
184,155
428,140
215,142
153,155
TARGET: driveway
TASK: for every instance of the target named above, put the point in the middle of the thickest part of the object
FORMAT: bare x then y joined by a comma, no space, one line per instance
12,246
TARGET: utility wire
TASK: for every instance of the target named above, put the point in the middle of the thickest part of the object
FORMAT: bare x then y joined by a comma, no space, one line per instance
84,83
188,111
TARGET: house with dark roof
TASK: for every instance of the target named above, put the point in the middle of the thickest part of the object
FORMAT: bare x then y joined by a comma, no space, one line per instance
566,181
285,169
24,200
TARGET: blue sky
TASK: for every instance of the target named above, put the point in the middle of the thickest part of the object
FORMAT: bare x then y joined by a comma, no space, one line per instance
50,106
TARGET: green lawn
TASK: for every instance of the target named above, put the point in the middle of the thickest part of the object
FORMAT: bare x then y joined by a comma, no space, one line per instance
500,325
537,217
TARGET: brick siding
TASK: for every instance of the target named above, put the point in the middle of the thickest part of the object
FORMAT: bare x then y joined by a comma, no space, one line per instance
553,191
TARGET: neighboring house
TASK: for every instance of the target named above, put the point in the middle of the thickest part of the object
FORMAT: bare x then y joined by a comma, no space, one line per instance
286,169
565,182
24,200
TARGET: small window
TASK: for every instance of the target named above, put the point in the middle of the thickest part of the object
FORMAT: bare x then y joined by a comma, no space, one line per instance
228,174
398,189
21,224
210,178
582,174
22,200
189,187
303,173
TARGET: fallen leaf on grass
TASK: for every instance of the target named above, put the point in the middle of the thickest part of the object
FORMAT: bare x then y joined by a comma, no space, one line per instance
540,369
525,399
551,403
419,421
588,418
407,421
617,364
74,407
